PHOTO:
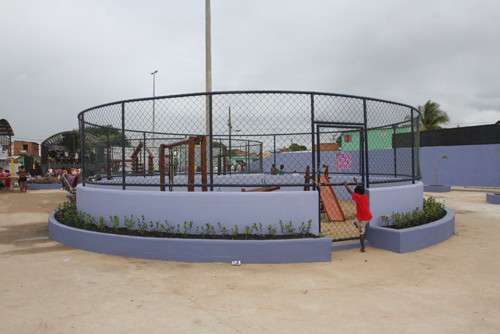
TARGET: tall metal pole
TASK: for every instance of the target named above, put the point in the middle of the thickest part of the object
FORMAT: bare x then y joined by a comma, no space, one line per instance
230,125
154,91
208,52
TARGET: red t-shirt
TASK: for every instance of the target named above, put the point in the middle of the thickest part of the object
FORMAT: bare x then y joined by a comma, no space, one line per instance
362,207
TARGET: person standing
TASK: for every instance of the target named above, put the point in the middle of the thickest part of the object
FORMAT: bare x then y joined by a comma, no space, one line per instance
22,179
363,213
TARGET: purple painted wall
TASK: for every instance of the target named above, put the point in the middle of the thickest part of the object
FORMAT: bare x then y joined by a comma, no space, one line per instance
469,165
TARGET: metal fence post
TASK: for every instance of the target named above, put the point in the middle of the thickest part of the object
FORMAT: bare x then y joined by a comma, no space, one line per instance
412,150
123,146
274,149
144,154
365,130
313,138
108,151
82,139
211,138
394,144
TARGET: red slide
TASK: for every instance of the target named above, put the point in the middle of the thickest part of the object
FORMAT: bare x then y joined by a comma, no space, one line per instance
330,201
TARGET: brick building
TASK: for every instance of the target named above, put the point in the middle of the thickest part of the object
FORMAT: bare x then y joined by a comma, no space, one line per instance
327,147
28,147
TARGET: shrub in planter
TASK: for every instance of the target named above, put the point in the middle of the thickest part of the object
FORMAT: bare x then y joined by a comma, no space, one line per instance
432,211
68,214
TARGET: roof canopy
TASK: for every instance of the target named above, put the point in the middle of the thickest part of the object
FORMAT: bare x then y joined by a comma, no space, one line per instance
59,136
5,129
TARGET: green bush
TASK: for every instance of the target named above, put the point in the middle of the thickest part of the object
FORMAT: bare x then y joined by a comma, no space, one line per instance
432,211
68,214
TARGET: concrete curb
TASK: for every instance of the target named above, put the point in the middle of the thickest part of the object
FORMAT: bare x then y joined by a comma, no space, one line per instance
493,198
194,250
44,186
414,238
437,188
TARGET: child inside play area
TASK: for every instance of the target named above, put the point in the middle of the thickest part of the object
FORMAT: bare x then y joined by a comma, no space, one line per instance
363,213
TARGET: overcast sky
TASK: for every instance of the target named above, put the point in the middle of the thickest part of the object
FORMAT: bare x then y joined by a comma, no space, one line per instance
58,58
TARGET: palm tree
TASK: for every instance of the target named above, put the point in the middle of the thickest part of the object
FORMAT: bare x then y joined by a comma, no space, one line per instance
432,116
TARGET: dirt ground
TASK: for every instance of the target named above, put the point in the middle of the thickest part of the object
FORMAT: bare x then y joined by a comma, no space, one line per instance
452,287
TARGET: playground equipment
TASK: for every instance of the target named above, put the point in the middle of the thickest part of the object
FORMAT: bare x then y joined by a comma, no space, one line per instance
221,164
329,200
135,159
191,142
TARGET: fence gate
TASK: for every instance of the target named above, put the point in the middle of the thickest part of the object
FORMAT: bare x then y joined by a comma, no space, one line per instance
339,157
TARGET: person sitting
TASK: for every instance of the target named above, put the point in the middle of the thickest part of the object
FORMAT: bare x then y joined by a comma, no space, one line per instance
274,170
282,170
3,178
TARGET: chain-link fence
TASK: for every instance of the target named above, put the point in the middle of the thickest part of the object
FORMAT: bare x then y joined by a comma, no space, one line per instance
253,141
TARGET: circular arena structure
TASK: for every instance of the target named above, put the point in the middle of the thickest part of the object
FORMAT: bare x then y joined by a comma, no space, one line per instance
248,157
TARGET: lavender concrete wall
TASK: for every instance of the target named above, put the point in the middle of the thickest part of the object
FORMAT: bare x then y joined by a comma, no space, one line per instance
385,200
235,208
194,250
468,165
414,238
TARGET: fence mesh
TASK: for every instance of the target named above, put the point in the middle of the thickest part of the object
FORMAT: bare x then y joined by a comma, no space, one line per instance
292,140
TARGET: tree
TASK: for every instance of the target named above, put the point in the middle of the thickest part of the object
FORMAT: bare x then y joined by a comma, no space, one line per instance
432,116
102,132
296,147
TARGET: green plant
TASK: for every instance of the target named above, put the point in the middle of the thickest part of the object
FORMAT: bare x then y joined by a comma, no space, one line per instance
116,222
68,214
101,225
272,229
234,230
432,211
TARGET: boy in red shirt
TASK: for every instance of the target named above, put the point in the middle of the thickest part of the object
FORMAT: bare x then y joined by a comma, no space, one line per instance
363,213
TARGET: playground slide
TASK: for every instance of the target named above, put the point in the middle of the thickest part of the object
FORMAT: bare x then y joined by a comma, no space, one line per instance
330,201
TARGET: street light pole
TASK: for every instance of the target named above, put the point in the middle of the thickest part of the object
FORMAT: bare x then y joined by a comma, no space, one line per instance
208,61
230,128
154,90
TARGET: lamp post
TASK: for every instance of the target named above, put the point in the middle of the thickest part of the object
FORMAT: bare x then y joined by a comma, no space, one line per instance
230,125
154,82
208,61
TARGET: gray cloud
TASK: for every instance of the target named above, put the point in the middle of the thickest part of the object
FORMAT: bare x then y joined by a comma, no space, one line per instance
61,57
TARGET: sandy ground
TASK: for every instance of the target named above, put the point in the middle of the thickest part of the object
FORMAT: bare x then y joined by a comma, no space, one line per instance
452,287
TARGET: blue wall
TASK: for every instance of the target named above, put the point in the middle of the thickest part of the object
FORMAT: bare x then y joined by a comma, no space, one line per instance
380,162
468,165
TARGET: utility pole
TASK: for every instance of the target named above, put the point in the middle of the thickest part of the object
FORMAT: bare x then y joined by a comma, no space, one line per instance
154,101
208,52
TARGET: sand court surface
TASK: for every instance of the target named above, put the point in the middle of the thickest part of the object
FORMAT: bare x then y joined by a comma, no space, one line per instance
452,287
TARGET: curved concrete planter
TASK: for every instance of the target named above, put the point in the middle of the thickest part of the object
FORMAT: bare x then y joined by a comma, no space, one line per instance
493,198
437,188
414,238
194,250
43,186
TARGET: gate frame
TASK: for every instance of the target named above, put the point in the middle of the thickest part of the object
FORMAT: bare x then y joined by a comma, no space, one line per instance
363,151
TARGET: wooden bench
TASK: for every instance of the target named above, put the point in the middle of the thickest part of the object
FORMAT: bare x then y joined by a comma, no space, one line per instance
261,189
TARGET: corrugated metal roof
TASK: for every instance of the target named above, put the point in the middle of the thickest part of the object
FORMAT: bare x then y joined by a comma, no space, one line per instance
5,129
